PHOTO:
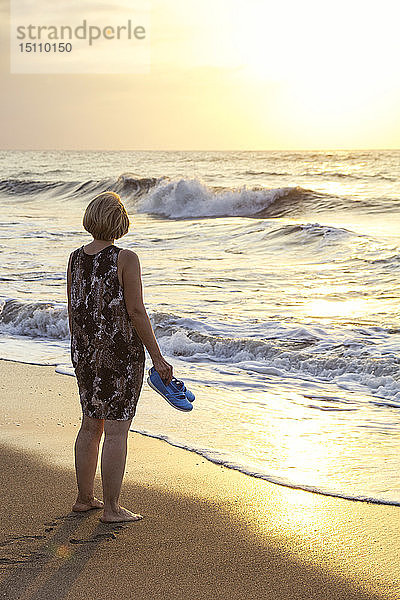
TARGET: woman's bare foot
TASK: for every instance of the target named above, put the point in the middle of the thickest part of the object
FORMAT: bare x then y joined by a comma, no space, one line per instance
121,514
80,506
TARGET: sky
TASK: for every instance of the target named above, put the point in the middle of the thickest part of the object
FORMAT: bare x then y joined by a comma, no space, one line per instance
221,75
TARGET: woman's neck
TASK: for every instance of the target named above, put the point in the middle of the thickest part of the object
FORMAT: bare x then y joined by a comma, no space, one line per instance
96,245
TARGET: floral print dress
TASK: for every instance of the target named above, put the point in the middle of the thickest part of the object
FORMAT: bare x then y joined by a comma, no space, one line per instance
106,351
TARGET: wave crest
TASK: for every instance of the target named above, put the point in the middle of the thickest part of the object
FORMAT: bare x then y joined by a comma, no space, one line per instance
185,198
299,352
126,184
304,352
34,319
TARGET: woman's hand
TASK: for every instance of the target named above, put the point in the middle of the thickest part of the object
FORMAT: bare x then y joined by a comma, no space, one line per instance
163,368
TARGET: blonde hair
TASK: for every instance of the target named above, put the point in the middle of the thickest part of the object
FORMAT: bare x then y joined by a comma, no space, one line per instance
105,217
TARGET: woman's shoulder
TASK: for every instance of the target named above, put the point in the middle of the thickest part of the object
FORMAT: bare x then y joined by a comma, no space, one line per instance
128,260
72,256
128,255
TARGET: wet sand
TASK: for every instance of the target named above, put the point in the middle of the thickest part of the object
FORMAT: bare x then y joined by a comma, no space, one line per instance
208,532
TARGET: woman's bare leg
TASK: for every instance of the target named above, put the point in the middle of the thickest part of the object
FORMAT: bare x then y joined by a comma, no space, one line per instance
113,460
86,454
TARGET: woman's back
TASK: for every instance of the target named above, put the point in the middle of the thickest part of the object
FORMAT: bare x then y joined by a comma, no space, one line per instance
106,351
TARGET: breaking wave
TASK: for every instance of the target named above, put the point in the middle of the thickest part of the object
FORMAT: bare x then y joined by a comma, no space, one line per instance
305,352
34,319
190,198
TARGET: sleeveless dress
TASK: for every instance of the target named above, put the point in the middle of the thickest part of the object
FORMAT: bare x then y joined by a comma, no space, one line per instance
107,354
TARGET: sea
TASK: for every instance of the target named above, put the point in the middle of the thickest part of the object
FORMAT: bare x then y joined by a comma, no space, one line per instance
271,280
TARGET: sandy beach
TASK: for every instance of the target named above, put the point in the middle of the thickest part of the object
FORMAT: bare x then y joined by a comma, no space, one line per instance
208,532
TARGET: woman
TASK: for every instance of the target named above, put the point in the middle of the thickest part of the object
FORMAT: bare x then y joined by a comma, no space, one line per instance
109,326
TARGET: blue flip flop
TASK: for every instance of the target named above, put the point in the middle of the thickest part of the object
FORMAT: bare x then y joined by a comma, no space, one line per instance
170,393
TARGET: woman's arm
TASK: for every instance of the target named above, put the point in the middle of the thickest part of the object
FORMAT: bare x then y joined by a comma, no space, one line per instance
133,294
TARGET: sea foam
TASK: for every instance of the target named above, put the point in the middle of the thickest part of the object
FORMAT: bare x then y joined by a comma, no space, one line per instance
185,198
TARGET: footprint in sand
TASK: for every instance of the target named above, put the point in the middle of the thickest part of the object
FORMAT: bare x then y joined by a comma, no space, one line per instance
17,538
12,561
49,526
95,538
107,535
15,541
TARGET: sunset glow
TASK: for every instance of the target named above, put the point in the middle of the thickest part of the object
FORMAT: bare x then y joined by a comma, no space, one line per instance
232,75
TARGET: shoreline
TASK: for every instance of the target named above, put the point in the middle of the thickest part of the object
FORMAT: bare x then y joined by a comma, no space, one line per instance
209,531
206,454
